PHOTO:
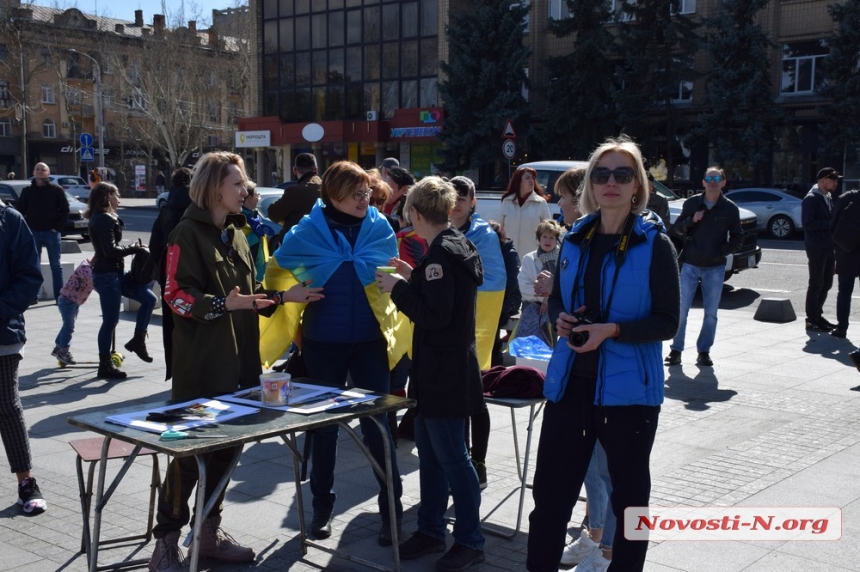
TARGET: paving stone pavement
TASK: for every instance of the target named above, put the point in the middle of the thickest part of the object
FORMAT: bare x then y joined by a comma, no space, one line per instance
773,423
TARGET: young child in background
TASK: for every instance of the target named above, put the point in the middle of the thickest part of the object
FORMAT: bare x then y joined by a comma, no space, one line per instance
533,319
72,296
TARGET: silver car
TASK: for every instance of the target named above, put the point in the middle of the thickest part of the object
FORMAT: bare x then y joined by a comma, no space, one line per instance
74,185
777,212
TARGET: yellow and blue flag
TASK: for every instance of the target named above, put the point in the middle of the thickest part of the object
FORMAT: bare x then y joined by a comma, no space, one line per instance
491,294
310,251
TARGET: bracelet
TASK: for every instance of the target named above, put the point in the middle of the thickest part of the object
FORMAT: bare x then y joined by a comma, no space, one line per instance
219,305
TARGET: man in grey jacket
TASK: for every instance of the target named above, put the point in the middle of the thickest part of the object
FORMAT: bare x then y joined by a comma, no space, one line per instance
705,222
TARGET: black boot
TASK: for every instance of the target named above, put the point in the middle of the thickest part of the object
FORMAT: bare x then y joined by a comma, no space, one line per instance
107,370
137,344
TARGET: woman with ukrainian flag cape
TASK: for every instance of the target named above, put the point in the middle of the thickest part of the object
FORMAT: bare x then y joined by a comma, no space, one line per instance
352,331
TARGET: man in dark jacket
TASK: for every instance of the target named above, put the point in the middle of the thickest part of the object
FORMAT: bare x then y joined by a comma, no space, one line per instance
703,225
177,201
20,280
847,261
298,199
46,209
816,214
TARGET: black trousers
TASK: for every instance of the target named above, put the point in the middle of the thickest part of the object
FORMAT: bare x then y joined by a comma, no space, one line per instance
568,434
821,262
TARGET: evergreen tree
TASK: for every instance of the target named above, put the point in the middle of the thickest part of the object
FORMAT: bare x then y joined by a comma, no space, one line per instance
579,113
484,78
657,46
842,117
741,116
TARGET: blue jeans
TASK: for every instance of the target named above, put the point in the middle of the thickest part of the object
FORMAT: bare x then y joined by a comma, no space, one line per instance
712,289
598,490
51,241
443,463
112,286
69,313
367,364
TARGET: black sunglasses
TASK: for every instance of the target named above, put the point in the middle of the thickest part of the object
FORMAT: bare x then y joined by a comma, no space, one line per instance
231,252
623,175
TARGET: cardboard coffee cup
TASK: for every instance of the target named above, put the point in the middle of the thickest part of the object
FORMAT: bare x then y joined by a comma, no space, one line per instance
275,388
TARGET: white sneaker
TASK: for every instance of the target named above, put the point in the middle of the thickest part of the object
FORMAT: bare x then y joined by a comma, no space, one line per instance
594,562
575,552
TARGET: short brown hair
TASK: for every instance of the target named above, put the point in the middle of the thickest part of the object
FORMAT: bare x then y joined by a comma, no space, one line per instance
378,188
209,172
341,180
547,226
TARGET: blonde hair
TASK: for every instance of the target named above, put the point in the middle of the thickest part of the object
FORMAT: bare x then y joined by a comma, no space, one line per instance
433,198
623,144
208,174
341,180
570,182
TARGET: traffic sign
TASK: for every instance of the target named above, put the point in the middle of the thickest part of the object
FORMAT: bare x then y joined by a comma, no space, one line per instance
509,132
86,140
87,155
509,148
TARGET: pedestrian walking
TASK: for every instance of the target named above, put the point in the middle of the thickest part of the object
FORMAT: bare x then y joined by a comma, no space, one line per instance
816,214
46,209
72,296
20,279
710,227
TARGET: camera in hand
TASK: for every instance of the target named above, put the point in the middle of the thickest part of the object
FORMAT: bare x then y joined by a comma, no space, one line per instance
579,339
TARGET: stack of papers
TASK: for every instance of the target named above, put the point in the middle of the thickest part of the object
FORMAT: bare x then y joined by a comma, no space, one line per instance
182,416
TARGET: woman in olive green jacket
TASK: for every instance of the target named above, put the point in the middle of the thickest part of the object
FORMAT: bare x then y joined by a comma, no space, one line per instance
210,287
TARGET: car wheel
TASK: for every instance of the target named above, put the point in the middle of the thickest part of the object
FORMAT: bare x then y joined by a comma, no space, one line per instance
780,226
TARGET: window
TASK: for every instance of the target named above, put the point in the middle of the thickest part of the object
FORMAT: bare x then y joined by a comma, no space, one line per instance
107,99
4,53
48,94
802,70
47,57
5,98
558,10
49,130
5,127
616,7
212,140
686,7
679,80
213,112
73,96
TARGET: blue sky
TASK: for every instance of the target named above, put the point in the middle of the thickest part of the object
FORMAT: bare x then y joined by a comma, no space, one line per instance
125,10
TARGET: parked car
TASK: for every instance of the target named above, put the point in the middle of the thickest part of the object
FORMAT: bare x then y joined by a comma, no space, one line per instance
10,192
269,195
778,212
161,199
76,186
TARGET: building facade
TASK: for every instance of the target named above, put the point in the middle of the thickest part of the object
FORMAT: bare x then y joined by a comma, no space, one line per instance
356,79
54,63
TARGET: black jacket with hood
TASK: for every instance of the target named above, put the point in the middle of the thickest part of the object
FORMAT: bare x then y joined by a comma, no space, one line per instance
440,299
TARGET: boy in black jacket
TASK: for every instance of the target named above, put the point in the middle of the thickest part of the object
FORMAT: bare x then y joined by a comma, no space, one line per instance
439,296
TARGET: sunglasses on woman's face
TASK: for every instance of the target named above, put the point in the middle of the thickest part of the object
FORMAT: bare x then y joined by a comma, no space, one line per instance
714,179
231,252
623,175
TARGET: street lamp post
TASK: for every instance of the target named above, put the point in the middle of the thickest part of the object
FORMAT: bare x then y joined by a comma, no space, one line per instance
99,118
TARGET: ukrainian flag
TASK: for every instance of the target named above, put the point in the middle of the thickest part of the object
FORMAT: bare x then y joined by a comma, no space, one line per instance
491,293
311,252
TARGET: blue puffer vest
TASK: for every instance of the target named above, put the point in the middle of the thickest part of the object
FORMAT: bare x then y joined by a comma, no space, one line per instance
628,373
344,315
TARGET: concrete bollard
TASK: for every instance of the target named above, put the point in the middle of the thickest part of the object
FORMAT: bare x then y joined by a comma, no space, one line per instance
775,310
47,290
129,305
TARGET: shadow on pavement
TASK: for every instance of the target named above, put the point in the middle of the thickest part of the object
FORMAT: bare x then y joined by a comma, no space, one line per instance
696,392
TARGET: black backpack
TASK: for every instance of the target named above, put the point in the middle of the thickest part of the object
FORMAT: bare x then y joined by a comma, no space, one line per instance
142,266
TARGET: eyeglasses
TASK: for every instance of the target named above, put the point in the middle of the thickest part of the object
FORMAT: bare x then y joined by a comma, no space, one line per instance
623,175
714,179
231,252
379,200
362,195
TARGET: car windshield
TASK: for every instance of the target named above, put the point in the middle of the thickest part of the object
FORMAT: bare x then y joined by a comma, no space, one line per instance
665,191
